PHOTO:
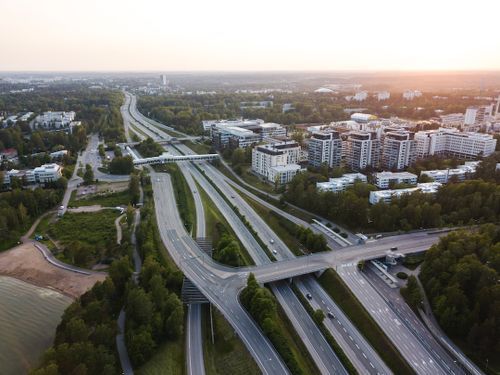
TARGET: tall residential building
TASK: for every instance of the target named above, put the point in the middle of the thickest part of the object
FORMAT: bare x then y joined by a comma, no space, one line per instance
411,94
478,114
164,81
325,147
360,96
383,95
399,150
362,149
451,142
276,162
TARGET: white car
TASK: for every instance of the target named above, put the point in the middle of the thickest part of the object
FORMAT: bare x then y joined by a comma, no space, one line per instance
271,241
275,252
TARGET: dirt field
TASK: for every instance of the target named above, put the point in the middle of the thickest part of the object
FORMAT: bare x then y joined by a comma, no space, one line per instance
26,263
112,187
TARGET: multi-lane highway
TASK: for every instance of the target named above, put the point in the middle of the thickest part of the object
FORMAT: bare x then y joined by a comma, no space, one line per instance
230,281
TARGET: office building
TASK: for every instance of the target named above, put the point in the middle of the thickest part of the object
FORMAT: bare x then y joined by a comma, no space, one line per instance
325,148
43,174
362,149
362,118
277,162
384,180
399,150
452,120
341,183
360,96
233,137
54,120
386,196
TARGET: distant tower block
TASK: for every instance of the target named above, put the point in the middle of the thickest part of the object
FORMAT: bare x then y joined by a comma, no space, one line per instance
497,112
164,80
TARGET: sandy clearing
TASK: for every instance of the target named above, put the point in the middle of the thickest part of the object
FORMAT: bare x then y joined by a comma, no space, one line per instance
26,263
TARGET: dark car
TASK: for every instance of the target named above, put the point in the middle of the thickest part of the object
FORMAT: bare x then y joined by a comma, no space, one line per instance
330,315
308,295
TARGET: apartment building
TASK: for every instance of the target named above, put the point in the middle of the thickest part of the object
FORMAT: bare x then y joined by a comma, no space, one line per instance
362,149
233,137
54,120
277,162
478,114
325,148
399,150
460,173
386,196
383,180
341,183
453,143
411,94
383,95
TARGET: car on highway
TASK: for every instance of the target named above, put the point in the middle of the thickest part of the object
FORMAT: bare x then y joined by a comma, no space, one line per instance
330,315
378,236
271,241
394,248
275,252
309,296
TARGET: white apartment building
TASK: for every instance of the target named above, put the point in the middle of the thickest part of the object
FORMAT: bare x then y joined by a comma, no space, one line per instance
452,120
383,95
325,147
267,157
240,123
411,94
399,150
454,143
478,114
383,180
386,196
362,149
54,120
461,173
360,96
43,174
341,183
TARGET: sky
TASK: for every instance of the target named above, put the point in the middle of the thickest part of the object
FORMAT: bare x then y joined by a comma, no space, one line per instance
256,35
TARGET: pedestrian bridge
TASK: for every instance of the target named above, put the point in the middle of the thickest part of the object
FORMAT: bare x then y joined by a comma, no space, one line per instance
168,158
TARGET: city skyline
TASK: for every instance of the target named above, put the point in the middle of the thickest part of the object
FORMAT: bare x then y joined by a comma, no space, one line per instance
221,36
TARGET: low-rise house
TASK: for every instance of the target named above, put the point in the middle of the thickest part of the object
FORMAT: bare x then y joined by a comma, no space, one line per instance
341,183
383,180
387,195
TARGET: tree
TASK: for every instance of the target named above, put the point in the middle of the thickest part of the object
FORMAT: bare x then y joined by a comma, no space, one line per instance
88,176
121,165
318,316
134,188
130,216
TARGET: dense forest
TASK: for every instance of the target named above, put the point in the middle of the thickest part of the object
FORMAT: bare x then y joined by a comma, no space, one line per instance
85,339
468,202
19,208
460,275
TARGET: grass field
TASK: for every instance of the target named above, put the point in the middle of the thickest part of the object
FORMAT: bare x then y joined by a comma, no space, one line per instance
227,355
339,292
214,216
199,148
105,200
167,359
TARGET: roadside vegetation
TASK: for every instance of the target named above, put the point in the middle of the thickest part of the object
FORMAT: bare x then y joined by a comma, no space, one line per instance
183,196
158,315
227,355
460,275
343,297
319,316
149,148
263,307
298,239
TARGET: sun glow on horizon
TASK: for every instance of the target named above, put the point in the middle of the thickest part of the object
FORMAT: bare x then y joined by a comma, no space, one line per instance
260,35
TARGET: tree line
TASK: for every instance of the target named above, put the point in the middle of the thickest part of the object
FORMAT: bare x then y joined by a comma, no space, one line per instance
468,202
460,275
262,305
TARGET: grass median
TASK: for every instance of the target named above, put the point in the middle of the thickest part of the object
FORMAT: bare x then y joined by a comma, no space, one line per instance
343,297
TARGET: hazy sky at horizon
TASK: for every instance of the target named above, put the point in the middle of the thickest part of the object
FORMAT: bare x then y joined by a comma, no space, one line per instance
159,35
